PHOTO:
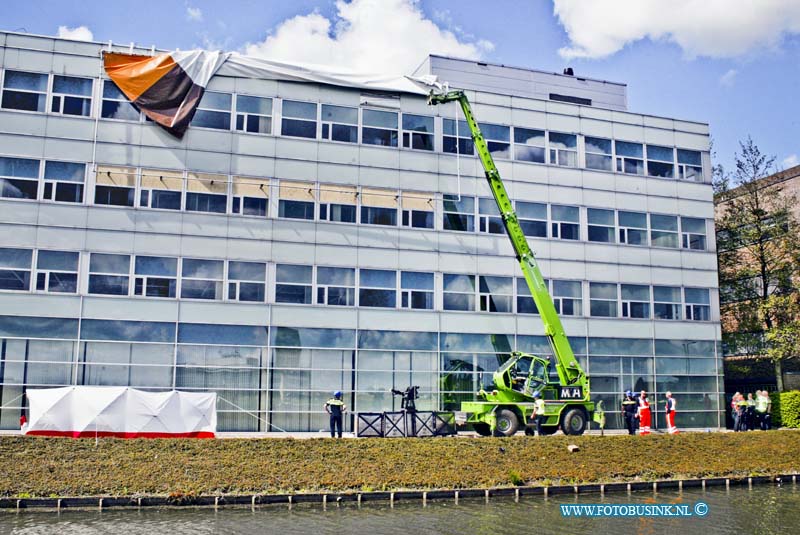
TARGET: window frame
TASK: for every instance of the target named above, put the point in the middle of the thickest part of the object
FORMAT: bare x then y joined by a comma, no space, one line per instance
236,283
322,290
329,125
606,157
628,303
519,145
623,160
609,229
687,237
463,216
27,181
554,154
675,306
300,195
15,270
487,298
142,280
664,232
140,117
175,183
364,290
245,115
461,141
655,160
42,93
127,275
624,231
557,226
489,219
51,185
87,100
560,300
394,133
526,222
214,111
309,286
684,166
219,292
415,204
297,119
410,134
693,308
332,199
615,300
408,292
47,272
472,300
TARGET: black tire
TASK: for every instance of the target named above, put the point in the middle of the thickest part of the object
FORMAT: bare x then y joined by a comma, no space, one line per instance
482,429
506,423
574,422
549,429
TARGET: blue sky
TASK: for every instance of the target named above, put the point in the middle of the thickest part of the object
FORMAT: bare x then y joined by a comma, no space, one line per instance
724,62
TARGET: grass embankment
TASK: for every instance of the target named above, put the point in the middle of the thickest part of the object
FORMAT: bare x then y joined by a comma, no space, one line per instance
65,467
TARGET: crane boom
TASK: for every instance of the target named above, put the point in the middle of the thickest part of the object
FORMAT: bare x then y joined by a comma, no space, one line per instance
567,366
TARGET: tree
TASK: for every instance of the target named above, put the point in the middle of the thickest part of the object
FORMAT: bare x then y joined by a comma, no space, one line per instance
759,256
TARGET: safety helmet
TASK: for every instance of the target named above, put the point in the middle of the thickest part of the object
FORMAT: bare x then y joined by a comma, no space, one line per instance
537,395
628,393
337,394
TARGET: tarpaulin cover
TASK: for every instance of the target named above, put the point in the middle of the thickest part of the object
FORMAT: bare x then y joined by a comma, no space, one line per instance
168,87
117,411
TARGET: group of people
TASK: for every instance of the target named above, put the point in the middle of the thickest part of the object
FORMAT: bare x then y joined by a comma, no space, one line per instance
751,413
637,413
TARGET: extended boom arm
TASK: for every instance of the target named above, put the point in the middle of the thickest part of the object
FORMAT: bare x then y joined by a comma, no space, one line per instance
569,371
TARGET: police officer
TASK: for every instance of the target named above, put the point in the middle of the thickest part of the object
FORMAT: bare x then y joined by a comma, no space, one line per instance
336,408
538,412
629,412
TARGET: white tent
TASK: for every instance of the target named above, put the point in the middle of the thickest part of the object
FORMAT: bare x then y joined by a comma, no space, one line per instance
118,411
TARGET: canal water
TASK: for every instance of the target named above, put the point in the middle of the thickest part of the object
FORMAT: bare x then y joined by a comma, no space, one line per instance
761,510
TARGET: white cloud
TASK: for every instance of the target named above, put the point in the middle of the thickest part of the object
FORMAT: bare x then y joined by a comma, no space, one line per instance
714,28
390,36
194,13
81,33
728,78
790,161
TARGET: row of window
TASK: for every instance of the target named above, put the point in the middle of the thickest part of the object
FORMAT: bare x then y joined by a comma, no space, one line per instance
259,115
210,193
195,278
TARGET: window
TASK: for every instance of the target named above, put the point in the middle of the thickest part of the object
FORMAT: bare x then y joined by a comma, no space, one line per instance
690,165
416,290
161,189
417,209
109,274
15,269
24,91
293,284
565,222
635,301
456,137
601,225
529,145
339,123
296,200
693,233
207,193
19,178
71,95
114,186
603,299
250,196
57,272
155,276
532,218
632,228
598,153
417,132
660,161
459,292
459,214
337,203
525,302
630,157
489,217
666,302
664,230
116,105
214,111
378,207
496,293
379,128
63,181
299,119
568,297
563,149
336,286
377,288
246,281
498,139
201,279
253,114
697,304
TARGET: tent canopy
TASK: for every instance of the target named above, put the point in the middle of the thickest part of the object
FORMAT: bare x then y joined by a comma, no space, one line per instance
116,411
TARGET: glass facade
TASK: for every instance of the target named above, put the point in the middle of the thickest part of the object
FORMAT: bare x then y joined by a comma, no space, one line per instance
278,378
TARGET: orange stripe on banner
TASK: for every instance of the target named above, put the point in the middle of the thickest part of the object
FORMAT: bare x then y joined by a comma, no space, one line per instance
135,74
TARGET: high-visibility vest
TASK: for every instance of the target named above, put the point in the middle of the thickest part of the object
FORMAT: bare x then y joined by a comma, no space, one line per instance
538,406
761,403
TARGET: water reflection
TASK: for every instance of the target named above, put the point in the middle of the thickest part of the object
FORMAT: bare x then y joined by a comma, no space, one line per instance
760,510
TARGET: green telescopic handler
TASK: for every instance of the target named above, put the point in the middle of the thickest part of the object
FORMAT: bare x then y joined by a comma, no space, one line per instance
507,405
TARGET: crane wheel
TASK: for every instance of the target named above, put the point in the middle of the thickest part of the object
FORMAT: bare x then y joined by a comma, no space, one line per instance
574,422
506,423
